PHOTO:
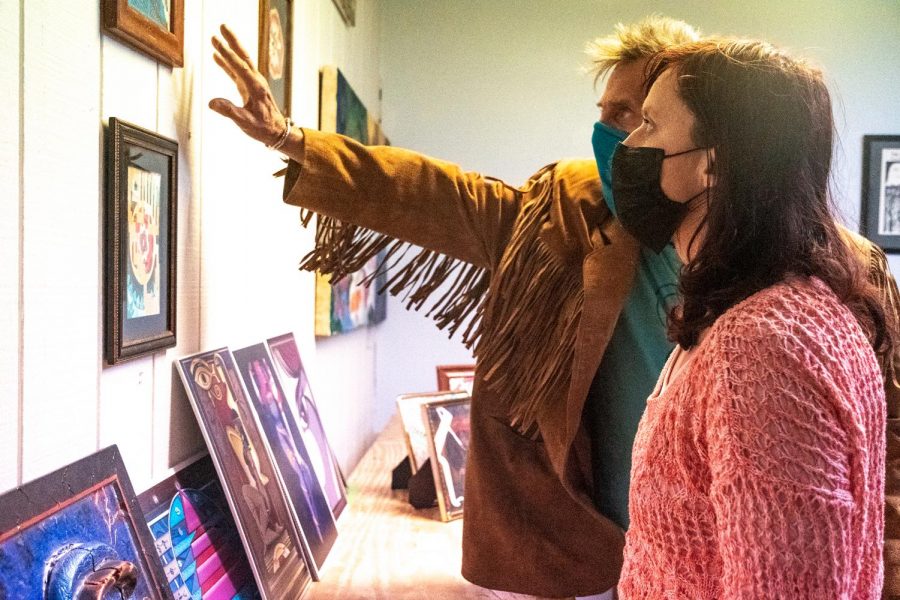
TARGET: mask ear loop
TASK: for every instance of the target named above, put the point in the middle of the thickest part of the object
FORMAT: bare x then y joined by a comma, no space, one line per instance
706,191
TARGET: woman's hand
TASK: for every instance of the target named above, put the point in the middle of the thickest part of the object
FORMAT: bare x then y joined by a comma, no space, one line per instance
259,117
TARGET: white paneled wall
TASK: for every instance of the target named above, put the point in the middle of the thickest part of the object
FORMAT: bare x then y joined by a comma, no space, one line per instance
238,245
9,243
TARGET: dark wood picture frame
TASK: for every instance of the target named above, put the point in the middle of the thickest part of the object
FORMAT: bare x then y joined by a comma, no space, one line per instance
76,530
278,76
880,214
127,24
129,336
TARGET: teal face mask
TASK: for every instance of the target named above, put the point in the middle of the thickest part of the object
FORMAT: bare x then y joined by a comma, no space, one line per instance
605,140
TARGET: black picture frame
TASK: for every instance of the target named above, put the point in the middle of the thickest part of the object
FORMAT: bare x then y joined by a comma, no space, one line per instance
140,250
880,213
76,530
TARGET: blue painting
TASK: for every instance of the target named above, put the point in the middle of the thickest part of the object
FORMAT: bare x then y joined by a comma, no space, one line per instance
61,539
158,11
196,538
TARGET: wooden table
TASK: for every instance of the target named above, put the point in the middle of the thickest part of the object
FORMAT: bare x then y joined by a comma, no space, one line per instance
388,550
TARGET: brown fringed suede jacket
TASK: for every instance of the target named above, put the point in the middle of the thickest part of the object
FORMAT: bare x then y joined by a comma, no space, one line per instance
537,277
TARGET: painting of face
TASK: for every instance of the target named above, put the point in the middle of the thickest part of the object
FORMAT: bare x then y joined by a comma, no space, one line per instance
247,474
282,430
275,42
74,531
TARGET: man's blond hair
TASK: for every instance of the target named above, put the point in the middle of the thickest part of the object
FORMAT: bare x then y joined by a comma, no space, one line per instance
636,41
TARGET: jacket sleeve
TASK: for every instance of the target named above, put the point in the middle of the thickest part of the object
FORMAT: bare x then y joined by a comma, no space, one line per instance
404,195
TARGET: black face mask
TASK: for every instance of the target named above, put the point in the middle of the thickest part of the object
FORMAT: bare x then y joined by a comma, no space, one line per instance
643,209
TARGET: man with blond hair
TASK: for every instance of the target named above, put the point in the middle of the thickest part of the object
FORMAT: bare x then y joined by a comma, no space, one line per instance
562,307
565,311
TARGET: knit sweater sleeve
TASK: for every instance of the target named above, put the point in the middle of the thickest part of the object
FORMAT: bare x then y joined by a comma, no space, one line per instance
780,470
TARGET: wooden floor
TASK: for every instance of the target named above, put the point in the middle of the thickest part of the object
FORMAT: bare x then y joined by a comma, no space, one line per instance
388,550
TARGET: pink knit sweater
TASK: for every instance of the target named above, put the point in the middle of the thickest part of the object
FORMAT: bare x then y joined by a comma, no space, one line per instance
758,472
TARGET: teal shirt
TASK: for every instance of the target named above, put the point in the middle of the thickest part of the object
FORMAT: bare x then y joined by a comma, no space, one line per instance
627,375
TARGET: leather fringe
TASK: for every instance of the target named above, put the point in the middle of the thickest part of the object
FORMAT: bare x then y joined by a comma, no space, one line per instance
515,329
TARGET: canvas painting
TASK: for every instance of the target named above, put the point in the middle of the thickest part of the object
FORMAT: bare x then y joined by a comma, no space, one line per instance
415,429
354,301
195,536
448,443
456,378
77,533
276,549
307,501
292,376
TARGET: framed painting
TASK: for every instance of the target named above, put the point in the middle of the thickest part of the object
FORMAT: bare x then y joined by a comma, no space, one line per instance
292,376
355,301
306,500
154,27
140,240
196,539
276,549
456,378
880,214
78,533
347,10
448,428
415,430
275,49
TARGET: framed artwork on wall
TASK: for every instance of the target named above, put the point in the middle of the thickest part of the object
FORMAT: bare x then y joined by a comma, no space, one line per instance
880,214
355,300
347,10
78,533
276,549
415,429
456,378
275,47
448,428
306,500
154,27
196,539
295,383
140,239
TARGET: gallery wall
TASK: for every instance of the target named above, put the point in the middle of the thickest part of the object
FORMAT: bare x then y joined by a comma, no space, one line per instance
238,244
498,87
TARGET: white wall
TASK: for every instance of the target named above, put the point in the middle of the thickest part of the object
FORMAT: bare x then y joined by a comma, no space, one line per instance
238,244
498,87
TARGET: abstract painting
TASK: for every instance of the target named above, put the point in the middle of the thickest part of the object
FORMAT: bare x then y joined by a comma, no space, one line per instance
307,501
140,239
354,301
196,539
290,372
77,533
275,48
415,429
276,549
448,444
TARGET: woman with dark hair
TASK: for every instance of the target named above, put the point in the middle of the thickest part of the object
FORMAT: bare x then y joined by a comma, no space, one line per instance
758,467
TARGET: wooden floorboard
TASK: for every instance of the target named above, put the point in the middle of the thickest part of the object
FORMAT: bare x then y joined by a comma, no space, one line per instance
386,549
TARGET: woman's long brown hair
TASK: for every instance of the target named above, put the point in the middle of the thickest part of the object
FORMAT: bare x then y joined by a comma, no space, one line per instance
768,117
